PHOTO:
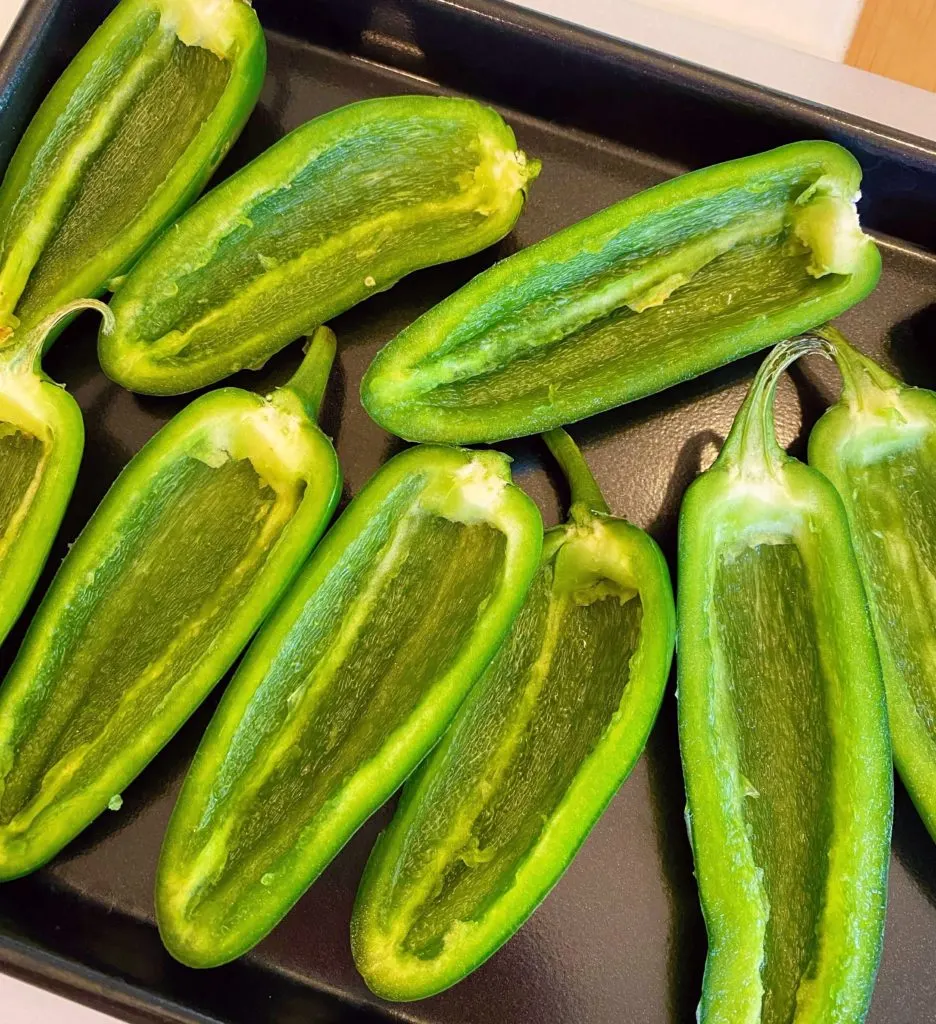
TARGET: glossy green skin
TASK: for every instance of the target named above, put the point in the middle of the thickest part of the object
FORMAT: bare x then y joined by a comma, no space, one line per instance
661,287
393,627
783,735
370,192
39,410
463,808
130,637
878,447
125,140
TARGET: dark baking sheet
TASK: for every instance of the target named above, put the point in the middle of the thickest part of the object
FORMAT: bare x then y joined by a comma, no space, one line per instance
621,937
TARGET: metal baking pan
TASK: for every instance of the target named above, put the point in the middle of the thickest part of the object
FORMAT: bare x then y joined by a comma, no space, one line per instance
621,937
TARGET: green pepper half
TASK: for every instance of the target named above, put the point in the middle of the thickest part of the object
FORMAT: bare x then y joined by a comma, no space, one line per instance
878,446
783,733
345,690
541,745
126,139
668,284
343,207
178,566
41,441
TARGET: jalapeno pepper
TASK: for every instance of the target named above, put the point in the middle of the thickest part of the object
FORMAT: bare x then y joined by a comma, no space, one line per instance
540,746
178,566
343,207
877,444
783,733
668,284
345,690
127,138
41,441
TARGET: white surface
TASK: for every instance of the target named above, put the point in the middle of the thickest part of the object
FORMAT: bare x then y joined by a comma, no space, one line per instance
820,27
8,12
755,60
23,1004
726,42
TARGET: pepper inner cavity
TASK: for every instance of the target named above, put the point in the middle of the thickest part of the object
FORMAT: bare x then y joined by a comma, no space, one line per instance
896,534
403,186
175,93
734,258
771,681
182,559
751,281
387,622
539,711
22,459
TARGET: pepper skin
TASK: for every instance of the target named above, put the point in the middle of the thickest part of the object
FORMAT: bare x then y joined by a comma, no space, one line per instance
877,445
664,286
346,689
180,563
542,743
341,208
783,733
41,441
125,140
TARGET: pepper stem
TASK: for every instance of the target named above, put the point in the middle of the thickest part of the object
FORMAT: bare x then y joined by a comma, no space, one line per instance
311,379
751,445
23,352
584,487
861,377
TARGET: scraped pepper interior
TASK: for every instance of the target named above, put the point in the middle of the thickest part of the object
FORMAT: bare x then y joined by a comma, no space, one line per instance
900,488
632,300
388,620
22,456
769,681
139,108
338,210
171,579
877,445
630,307
372,184
516,754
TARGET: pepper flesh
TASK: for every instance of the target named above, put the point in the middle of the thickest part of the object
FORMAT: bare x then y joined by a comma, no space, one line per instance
540,746
343,693
663,286
41,441
783,733
368,193
125,140
177,567
878,447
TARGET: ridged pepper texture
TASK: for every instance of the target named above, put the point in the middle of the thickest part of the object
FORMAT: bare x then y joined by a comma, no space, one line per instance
783,733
